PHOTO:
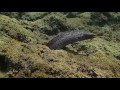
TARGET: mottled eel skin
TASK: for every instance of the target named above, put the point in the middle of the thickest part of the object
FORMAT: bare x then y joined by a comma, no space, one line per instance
69,37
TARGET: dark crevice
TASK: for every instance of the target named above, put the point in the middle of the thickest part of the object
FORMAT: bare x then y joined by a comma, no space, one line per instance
3,63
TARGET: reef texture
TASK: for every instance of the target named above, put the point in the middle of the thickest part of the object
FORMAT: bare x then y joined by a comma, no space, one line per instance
24,53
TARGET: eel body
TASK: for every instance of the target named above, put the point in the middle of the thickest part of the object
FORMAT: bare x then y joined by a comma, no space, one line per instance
69,37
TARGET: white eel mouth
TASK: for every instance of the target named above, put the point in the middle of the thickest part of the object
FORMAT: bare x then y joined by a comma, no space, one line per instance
69,37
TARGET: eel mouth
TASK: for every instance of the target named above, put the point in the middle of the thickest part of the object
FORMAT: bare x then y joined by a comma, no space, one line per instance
90,36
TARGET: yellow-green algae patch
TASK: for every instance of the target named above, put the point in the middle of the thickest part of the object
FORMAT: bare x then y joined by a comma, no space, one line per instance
96,58
12,28
39,61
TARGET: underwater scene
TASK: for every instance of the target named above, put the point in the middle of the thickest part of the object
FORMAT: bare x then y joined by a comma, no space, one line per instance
59,44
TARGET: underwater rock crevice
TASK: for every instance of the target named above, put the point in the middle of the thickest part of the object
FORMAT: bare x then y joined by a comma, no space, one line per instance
3,63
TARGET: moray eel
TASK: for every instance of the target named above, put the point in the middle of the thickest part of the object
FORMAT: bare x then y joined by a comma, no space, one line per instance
69,37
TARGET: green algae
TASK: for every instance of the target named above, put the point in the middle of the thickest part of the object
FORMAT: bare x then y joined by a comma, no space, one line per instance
31,58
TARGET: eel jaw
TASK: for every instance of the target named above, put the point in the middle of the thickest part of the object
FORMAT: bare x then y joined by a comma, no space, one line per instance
90,35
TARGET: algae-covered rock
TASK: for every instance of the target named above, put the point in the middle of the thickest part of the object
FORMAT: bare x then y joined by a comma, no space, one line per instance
24,53
31,16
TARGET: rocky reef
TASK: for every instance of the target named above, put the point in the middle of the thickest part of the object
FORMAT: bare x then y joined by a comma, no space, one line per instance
24,53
